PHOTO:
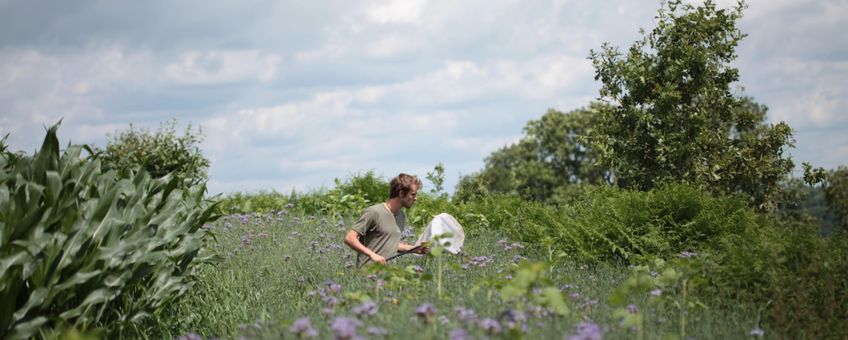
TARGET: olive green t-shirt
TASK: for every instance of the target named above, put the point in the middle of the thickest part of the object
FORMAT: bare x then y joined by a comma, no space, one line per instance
379,231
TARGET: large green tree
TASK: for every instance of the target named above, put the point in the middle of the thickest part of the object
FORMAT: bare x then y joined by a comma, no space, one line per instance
674,115
546,162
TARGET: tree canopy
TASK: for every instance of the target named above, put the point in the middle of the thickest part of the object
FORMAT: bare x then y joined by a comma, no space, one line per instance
673,115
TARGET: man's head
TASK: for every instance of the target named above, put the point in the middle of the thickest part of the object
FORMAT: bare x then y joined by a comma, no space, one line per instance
406,188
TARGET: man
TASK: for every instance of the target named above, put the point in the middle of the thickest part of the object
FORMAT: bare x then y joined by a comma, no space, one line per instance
376,235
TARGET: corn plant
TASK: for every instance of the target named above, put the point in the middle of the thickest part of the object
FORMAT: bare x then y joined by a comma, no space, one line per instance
85,248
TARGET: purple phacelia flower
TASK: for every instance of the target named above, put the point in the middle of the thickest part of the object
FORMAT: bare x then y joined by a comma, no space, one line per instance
465,315
687,255
345,328
656,292
459,334
490,326
376,331
366,308
443,320
426,311
303,328
190,336
587,331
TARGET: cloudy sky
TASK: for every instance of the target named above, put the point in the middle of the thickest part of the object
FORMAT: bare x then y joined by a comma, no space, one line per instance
292,94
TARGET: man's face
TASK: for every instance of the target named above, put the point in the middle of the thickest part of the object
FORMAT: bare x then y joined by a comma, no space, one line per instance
409,199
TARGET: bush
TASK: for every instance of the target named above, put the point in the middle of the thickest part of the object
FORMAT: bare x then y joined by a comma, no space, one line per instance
84,247
799,278
261,202
159,153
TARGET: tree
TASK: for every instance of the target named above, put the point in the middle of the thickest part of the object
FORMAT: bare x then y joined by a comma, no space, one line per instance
549,158
672,116
836,195
160,153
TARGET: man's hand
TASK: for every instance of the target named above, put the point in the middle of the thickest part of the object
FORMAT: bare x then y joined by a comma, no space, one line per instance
378,259
425,248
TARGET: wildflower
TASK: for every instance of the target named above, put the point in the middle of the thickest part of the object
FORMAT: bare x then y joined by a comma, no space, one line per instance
418,269
656,292
443,320
490,326
518,258
327,311
334,287
190,336
465,315
687,255
514,320
345,328
376,331
303,328
757,332
587,331
244,219
459,334
366,308
426,311
632,308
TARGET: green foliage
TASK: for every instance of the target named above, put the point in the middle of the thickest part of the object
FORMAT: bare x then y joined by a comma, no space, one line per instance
159,153
550,158
836,193
672,116
259,202
82,247
798,277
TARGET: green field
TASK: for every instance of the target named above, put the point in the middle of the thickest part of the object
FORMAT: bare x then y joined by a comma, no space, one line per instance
276,268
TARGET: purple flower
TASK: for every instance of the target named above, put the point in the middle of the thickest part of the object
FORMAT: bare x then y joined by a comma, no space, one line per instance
376,331
465,315
418,269
333,287
656,292
587,331
366,308
757,332
426,311
443,320
190,336
490,326
459,334
244,219
327,311
303,328
345,328
687,254
514,320
632,308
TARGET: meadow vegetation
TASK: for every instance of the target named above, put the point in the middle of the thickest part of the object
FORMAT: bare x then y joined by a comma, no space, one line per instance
664,210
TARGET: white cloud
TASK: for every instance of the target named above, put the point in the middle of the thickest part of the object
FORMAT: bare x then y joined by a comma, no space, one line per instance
221,67
402,11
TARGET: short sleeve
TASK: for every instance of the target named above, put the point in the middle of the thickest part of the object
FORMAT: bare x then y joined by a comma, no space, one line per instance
361,225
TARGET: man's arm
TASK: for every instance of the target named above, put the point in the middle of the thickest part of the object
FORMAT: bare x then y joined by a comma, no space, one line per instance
403,247
352,241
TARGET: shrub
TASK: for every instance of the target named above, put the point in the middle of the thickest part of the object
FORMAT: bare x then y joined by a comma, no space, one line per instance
85,247
159,153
